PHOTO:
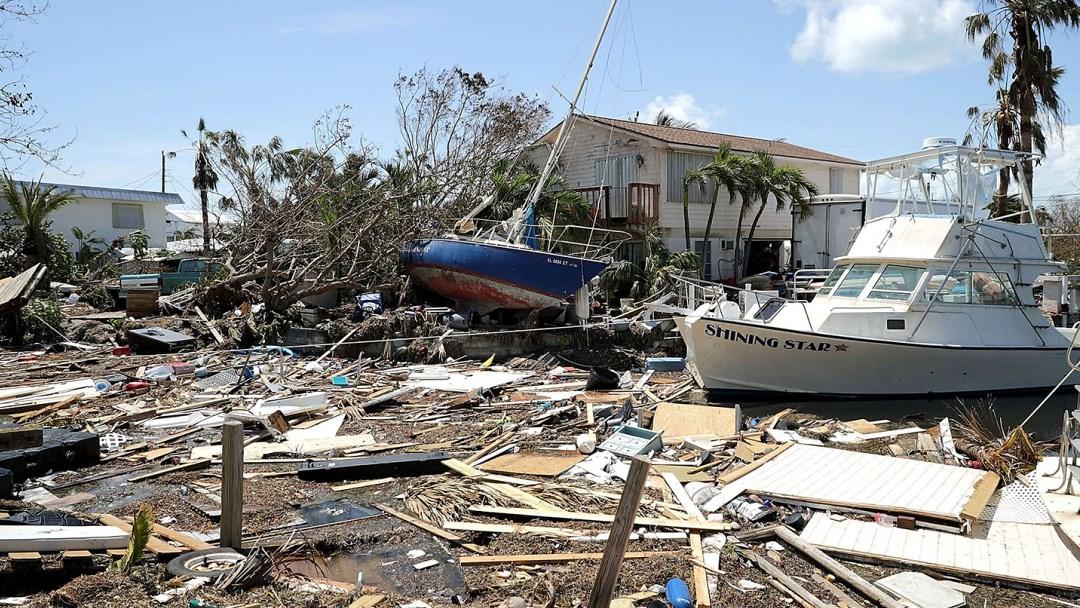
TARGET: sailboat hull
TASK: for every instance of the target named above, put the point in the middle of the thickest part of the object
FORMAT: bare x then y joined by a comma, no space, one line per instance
482,276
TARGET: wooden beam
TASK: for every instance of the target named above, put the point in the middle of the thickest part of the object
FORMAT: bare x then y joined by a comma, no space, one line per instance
707,526
155,544
774,571
702,596
202,463
841,571
837,592
550,558
232,484
731,476
622,525
437,531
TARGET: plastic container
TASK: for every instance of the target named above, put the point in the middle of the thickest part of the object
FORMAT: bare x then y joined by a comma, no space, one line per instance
182,369
602,379
678,593
339,381
160,372
102,385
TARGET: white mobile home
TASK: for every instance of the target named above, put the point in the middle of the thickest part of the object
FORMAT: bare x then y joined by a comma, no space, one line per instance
111,213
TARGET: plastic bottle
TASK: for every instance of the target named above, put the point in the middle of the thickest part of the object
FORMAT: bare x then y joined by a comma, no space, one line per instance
678,593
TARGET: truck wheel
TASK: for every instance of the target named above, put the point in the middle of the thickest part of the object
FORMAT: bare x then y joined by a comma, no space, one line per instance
208,563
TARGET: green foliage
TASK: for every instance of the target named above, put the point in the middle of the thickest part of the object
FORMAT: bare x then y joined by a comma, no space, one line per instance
140,242
661,266
89,245
37,317
140,535
31,204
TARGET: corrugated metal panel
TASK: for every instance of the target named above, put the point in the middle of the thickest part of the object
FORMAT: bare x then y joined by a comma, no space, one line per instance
843,478
14,291
678,165
116,194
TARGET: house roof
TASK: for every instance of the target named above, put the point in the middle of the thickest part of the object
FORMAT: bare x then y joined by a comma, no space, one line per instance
708,139
115,194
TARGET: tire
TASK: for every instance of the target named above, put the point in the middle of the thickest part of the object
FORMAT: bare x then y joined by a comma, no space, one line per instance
206,563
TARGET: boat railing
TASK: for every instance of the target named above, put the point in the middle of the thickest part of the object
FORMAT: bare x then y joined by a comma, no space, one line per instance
565,239
691,293
806,281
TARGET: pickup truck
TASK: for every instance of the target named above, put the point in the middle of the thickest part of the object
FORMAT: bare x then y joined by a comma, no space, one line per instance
176,275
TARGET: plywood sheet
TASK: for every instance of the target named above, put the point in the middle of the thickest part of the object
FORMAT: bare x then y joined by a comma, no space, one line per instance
1029,554
532,463
843,478
684,420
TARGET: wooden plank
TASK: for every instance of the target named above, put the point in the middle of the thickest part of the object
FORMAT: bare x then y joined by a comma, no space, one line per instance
731,476
24,556
232,484
193,465
155,545
183,538
473,526
984,490
837,592
701,577
491,447
60,538
705,526
679,420
550,558
843,572
431,529
361,484
533,463
774,571
521,496
367,601
607,575
679,492
210,325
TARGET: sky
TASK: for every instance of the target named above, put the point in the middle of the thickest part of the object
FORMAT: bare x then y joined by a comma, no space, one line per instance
860,78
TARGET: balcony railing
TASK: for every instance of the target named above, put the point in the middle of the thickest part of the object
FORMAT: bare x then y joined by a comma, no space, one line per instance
630,206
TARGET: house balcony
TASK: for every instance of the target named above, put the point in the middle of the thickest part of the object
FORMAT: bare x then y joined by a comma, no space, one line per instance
630,207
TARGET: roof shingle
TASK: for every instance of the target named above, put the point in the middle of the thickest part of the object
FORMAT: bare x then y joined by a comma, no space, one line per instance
708,139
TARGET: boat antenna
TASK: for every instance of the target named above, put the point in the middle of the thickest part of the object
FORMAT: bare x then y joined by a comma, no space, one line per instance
564,132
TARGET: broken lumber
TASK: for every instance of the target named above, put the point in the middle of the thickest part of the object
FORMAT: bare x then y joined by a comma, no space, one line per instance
550,558
432,529
193,465
660,522
622,525
839,570
774,571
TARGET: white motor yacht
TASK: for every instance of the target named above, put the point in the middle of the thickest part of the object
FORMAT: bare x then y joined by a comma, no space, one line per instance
931,298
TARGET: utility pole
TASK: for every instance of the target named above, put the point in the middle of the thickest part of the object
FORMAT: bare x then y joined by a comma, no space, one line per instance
163,172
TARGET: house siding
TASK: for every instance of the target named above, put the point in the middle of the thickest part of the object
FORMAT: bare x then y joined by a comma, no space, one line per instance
96,215
589,142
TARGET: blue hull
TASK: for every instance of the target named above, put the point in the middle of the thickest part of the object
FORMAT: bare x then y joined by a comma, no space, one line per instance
485,276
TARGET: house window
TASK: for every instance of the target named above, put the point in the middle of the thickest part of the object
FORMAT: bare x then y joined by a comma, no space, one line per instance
127,216
678,164
704,254
836,180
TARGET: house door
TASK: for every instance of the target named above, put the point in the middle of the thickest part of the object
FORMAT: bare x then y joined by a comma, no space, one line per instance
618,172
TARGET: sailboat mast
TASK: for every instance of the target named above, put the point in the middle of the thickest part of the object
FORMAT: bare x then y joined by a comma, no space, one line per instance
564,128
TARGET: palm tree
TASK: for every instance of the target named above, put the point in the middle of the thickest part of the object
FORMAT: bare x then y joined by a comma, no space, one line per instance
1004,122
693,177
87,243
786,184
205,179
32,203
726,169
667,120
1026,70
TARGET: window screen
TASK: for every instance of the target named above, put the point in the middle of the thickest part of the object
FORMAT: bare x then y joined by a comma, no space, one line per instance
836,181
678,164
127,216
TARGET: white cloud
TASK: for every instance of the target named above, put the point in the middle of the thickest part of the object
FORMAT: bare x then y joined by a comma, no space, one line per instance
1059,172
353,21
887,36
682,106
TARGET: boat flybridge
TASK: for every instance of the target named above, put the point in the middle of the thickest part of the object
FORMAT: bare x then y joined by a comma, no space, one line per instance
931,298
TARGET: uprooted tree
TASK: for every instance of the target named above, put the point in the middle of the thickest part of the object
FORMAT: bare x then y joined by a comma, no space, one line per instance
331,215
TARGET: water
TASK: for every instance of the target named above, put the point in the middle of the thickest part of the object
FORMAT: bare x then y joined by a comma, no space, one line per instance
1012,408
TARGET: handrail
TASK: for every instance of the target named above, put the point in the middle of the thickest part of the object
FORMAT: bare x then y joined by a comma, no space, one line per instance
601,242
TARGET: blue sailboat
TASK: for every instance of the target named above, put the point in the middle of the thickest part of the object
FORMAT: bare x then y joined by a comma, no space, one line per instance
486,265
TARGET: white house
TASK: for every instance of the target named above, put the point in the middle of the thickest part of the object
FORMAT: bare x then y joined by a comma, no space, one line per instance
640,166
111,213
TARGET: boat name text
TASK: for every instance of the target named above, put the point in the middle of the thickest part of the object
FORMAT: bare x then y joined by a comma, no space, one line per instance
747,338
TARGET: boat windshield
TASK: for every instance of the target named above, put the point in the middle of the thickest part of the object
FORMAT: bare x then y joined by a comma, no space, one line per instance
896,282
855,280
969,287
832,280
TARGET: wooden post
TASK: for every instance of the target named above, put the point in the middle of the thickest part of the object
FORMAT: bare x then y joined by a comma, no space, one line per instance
232,484
619,536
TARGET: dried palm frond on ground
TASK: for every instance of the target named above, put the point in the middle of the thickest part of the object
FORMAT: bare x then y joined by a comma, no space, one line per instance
573,499
138,538
980,433
448,499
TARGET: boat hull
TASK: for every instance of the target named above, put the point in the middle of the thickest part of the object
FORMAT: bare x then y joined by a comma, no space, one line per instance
736,357
482,277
